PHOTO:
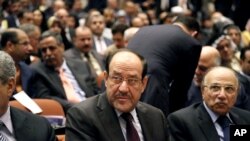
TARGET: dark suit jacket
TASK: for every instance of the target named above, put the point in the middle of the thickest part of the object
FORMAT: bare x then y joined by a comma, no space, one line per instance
172,57
194,123
29,127
95,120
28,77
49,85
75,53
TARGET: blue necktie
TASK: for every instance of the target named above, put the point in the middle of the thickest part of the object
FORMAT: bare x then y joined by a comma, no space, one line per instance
132,134
2,137
224,122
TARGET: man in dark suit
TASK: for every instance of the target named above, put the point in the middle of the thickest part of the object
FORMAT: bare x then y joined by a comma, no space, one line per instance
172,57
16,124
209,58
16,43
49,83
102,115
97,25
202,121
83,51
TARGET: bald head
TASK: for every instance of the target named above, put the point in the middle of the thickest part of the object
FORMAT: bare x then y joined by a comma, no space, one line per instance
209,57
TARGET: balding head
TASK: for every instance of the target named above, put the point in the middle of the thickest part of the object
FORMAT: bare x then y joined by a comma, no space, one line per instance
209,57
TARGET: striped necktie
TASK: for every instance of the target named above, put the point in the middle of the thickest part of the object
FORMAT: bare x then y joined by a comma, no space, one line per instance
2,137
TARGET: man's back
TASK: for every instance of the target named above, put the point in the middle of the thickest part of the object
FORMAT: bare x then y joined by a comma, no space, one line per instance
172,56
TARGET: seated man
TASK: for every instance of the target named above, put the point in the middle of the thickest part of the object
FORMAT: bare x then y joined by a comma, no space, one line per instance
202,121
116,114
65,80
16,124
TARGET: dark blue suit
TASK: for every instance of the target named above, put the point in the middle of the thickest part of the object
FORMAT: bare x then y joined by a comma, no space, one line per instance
172,57
28,77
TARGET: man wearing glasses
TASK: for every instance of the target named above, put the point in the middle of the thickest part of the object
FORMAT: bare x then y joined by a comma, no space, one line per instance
117,114
17,44
210,119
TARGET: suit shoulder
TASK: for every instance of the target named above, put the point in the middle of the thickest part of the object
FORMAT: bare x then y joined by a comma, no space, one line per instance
187,111
148,107
31,118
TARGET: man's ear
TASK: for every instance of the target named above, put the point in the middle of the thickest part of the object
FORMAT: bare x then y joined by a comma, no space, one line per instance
9,47
144,83
105,74
11,86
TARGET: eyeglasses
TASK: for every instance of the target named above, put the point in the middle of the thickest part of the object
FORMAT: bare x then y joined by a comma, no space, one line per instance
24,43
130,81
51,48
215,88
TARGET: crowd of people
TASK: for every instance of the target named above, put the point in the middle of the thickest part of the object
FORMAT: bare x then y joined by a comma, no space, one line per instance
126,69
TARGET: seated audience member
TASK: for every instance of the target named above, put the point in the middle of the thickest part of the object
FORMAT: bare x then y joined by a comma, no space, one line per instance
117,114
129,34
209,58
63,79
234,32
17,44
83,50
118,38
17,125
203,121
96,23
172,57
227,48
245,62
34,34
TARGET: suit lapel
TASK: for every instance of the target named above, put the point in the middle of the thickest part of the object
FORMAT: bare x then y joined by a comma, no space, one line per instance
52,75
79,73
145,122
18,121
109,119
206,124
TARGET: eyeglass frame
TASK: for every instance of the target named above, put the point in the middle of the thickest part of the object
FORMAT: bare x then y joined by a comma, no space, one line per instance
118,80
216,88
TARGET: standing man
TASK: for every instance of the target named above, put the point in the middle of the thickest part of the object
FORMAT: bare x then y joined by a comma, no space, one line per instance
104,117
202,121
17,125
172,57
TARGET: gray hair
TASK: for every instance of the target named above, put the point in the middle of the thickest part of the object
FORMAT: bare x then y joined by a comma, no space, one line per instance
7,65
222,37
28,28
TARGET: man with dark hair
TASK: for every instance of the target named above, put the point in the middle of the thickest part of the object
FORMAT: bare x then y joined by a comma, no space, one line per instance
105,117
118,38
66,80
16,43
16,124
189,24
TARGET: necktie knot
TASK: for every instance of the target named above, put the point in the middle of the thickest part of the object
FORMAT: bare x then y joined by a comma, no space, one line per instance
223,121
127,117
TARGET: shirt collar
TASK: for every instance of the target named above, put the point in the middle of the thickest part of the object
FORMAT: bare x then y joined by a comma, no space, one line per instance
133,113
212,114
6,119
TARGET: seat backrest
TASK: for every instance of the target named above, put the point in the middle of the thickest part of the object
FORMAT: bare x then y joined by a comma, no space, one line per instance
49,107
